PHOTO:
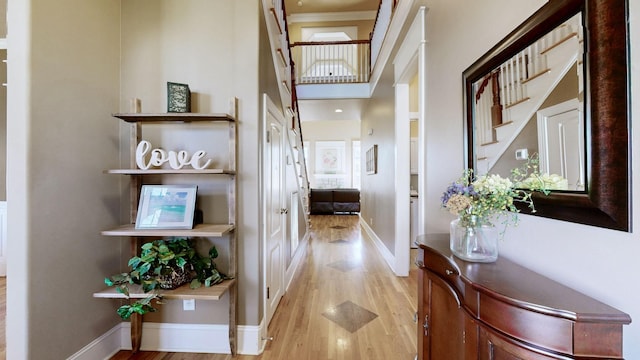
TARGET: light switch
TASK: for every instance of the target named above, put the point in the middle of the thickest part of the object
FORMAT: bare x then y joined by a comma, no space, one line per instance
189,305
522,154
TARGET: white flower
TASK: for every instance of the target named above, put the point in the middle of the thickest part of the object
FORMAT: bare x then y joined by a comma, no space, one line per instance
492,184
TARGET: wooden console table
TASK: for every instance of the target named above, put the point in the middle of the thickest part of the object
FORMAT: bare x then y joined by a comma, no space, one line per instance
503,311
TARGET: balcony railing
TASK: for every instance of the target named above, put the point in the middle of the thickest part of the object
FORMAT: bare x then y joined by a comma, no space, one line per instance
331,62
338,62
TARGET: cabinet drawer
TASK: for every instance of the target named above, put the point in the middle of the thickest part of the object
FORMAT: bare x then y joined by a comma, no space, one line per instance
551,332
438,264
494,346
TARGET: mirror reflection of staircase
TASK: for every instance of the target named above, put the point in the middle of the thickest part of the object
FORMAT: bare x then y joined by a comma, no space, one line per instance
509,97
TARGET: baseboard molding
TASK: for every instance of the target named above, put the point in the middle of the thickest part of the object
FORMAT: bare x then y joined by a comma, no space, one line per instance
186,338
388,257
103,347
297,259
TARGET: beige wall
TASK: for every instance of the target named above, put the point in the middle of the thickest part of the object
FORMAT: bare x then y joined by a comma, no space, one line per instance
64,86
378,190
595,261
66,83
213,47
3,18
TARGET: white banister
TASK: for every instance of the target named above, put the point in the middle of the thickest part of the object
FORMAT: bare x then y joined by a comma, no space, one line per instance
525,80
383,20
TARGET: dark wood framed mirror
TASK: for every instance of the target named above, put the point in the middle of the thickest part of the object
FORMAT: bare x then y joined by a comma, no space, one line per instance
595,185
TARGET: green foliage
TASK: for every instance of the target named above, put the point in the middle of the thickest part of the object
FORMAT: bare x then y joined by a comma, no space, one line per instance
479,199
141,307
153,268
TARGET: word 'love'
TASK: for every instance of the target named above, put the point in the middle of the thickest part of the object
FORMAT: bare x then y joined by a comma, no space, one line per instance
177,160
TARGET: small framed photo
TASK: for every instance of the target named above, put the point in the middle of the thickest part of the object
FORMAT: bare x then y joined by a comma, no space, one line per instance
178,97
166,207
372,160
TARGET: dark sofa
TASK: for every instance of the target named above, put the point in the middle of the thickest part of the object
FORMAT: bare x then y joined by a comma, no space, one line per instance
331,201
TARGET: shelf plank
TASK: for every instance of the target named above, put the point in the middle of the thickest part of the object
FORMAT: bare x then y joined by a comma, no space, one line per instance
168,117
204,230
184,292
168,171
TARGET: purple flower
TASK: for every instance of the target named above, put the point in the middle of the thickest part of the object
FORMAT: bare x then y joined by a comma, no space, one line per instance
460,189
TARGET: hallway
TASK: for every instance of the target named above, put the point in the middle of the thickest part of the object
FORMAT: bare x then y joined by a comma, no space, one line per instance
344,304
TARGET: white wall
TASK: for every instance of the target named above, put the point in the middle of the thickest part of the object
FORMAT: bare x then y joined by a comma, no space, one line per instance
598,262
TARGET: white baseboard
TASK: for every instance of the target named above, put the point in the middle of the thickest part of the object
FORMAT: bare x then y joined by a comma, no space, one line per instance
3,238
103,347
187,338
250,339
295,262
382,249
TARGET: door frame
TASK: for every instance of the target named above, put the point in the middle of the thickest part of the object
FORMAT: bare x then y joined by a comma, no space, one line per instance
410,60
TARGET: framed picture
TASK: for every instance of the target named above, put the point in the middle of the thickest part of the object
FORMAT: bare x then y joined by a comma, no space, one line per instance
178,97
166,207
330,157
372,160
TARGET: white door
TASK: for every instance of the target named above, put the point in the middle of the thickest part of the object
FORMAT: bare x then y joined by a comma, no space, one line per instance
275,211
561,144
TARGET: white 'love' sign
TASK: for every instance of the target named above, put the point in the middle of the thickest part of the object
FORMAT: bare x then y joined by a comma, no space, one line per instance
177,160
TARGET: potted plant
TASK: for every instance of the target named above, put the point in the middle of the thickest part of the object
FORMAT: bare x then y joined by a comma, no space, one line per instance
164,264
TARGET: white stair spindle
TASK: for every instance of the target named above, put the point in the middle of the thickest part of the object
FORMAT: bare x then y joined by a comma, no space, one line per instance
517,80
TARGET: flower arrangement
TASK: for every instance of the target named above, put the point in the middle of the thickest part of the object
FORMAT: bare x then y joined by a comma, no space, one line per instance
479,200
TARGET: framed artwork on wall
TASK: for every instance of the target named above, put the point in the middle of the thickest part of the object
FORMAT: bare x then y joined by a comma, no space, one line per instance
330,157
372,160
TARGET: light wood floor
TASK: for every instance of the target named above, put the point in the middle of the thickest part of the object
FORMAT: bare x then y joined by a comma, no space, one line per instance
343,279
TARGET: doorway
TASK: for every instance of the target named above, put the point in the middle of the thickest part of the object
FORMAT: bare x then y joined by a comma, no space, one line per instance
274,206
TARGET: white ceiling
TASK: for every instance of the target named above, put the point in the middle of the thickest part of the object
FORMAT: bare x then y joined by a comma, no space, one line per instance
329,6
317,110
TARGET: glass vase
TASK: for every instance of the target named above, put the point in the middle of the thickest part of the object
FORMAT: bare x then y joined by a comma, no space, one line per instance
473,241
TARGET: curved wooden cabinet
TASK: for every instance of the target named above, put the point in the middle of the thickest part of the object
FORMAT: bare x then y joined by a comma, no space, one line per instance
503,311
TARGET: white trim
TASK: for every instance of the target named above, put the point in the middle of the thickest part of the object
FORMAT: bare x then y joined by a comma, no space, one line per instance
104,347
402,179
405,66
3,238
400,15
406,57
333,91
332,16
196,338
268,107
297,259
250,339
3,43
382,249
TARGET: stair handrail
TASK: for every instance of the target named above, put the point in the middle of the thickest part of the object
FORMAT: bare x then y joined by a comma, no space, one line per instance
380,26
282,12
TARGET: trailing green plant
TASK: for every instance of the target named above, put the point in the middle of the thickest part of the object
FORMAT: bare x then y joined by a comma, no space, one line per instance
164,264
